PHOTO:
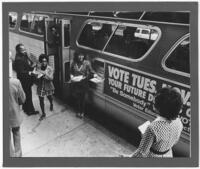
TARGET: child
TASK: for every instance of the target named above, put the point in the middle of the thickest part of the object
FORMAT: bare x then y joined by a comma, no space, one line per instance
45,84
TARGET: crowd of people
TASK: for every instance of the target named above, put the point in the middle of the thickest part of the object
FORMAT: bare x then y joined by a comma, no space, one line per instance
157,141
20,93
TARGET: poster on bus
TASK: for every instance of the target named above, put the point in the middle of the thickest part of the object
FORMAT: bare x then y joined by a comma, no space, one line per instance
137,90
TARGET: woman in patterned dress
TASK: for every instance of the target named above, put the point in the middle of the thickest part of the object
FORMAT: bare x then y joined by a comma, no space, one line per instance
81,67
45,85
164,132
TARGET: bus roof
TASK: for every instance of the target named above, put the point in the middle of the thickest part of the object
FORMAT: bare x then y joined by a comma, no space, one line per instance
178,17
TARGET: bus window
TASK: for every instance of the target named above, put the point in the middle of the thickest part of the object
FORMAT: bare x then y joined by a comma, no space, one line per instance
12,19
175,17
95,35
26,22
131,42
66,35
179,59
98,66
38,25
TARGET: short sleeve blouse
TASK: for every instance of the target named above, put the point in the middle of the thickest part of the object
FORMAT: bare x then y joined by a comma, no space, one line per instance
160,135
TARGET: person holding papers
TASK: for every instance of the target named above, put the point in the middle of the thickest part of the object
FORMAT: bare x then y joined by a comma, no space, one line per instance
45,85
164,132
24,66
81,72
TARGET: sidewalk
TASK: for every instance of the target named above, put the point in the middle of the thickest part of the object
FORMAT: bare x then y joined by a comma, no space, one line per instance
62,134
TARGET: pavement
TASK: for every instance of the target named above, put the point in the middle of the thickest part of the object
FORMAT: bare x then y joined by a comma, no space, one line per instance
62,134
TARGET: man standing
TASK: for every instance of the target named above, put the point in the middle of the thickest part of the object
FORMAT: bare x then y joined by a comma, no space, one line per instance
16,98
24,66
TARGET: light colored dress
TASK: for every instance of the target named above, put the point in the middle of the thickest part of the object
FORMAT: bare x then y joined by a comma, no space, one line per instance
16,98
161,135
45,85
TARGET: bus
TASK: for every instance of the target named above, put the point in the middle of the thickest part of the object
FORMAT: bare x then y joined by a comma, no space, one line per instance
134,53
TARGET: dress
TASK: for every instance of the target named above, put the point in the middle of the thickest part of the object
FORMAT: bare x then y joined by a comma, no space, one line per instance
161,135
79,89
22,66
16,98
45,85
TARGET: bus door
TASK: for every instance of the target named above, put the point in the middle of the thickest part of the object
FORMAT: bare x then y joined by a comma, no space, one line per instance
65,56
52,44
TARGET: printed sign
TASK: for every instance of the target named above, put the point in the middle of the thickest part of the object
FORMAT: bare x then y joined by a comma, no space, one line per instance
138,89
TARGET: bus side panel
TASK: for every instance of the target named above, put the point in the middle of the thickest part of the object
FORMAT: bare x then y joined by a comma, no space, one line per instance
95,101
182,149
127,118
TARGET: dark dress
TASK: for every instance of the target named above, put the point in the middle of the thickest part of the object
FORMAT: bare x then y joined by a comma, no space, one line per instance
79,89
22,66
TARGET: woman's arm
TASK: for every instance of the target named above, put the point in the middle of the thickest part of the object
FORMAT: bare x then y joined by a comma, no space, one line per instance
91,70
145,144
21,94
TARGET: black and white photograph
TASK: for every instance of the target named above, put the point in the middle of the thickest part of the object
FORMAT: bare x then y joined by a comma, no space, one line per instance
101,80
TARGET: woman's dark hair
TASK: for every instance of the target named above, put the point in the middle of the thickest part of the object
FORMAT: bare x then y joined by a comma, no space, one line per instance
43,56
17,47
76,54
168,102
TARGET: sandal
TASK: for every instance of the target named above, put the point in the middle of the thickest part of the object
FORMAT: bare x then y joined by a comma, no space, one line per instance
42,117
51,107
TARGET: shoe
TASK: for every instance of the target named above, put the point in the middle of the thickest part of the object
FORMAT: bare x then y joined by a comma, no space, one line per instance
18,154
32,113
51,107
27,113
78,114
82,115
42,117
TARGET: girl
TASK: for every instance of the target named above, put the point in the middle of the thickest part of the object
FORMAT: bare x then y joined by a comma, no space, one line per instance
45,84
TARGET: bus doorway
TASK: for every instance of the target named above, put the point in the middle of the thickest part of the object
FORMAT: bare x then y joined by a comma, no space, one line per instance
65,56
53,50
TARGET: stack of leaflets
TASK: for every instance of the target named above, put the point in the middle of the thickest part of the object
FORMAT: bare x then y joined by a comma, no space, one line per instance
38,74
144,126
96,80
77,78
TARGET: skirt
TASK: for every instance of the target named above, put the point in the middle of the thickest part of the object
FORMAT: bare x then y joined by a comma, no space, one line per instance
43,93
